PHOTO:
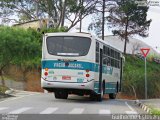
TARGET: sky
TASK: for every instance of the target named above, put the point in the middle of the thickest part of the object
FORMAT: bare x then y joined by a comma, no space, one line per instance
154,31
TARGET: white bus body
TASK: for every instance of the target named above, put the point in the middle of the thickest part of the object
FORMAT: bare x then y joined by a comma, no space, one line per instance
79,63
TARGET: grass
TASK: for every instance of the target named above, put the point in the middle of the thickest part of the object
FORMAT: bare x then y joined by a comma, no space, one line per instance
133,77
3,89
155,111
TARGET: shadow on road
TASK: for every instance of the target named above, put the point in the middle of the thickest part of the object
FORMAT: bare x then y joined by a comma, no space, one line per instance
78,99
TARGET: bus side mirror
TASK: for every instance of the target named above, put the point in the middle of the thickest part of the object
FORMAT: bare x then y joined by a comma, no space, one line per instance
123,58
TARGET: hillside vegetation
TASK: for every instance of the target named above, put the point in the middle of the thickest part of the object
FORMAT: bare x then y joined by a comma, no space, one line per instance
21,48
20,59
133,83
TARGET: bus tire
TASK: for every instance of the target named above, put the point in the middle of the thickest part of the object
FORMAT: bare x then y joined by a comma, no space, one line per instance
112,95
61,95
117,87
92,97
57,95
100,96
65,95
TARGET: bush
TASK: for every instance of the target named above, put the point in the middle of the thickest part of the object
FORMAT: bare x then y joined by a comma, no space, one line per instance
155,111
134,78
19,47
22,48
3,89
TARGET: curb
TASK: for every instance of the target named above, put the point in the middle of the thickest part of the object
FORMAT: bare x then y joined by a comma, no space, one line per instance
10,91
143,106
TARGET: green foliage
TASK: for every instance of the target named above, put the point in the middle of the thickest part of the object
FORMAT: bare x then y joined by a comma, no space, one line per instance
19,47
22,48
51,30
56,10
24,9
3,89
155,111
74,6
134,77
126,19
129,19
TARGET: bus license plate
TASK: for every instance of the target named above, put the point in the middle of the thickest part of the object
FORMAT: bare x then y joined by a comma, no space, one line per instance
66,77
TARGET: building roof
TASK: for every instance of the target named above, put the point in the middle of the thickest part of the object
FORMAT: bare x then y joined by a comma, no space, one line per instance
26,22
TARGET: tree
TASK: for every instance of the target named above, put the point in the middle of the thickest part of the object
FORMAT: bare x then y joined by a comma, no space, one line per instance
55,10
7,48
98,24
127,19
30,55
136,47
24,9
19,47
71,10
22,48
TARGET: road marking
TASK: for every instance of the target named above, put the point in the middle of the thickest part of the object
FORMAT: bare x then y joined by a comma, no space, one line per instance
3,108
104,111
8,99
77,111
132,110
129,107
18,111
49,110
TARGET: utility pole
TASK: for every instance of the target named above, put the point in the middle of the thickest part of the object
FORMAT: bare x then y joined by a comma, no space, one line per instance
80,26
145,79
80,23
103,15
63,13
145,52
103,21
37,9
37,14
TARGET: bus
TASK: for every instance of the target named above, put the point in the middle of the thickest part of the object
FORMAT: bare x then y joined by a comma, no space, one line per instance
81,64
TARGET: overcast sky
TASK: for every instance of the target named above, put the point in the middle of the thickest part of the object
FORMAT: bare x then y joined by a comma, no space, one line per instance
154,30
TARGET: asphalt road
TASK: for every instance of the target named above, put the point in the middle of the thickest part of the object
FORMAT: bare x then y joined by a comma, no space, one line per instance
44,106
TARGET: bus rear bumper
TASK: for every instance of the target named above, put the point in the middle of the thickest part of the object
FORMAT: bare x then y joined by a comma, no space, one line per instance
67,85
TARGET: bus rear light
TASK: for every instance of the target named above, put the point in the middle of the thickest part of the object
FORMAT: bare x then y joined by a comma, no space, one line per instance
87,71
49,84
46,69
87,75
45,73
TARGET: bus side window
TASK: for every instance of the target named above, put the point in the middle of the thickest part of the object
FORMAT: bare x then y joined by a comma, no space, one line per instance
112,62
105,55
97,52
119,56
118,64
109,61
108,51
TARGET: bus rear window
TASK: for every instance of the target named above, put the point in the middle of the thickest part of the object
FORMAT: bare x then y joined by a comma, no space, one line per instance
68,45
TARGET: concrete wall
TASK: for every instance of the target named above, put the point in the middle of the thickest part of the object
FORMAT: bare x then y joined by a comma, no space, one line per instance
32,24
15,79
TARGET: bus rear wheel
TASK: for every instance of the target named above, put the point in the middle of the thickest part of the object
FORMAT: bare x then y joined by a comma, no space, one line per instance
96,97
61,95
112,95
99,97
